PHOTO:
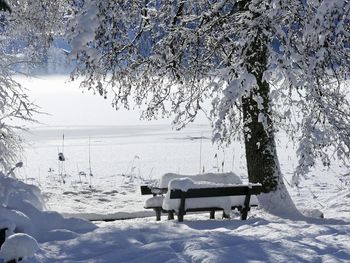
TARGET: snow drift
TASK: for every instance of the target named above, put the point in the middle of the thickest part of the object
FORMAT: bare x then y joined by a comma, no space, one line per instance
22,213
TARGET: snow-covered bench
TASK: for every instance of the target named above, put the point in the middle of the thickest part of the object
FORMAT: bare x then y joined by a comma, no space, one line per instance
185,195
212,180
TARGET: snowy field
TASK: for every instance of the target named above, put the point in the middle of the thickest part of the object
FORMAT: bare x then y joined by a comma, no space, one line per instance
126,156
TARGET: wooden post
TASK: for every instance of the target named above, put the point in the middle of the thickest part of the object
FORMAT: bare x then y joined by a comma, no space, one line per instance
2,236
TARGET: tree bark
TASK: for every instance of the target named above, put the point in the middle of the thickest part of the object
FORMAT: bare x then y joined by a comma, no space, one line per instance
260,147
259,144
259,141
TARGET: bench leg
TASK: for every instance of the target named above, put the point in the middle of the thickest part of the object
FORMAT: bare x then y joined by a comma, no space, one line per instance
212,214
245,209
170,215
224,215
158,213
244,213
181,213
180,217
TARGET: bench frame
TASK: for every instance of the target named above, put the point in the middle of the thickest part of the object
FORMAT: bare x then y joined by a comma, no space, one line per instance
239,190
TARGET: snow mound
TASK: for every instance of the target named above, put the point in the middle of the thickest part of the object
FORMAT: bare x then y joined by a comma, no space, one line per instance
11,188
18,246
59,235
22,211
8,225
17,221
313,213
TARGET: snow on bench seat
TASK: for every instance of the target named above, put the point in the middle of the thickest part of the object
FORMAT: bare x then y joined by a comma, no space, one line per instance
218,178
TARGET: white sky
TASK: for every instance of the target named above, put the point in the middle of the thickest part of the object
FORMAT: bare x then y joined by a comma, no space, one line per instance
68,105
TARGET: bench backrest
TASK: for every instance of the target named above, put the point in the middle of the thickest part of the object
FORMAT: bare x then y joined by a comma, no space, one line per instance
216,191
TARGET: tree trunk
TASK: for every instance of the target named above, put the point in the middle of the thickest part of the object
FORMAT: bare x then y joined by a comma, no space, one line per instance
261,154
258,126
259,140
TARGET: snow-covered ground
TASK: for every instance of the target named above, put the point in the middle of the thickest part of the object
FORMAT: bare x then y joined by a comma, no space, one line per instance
124,157
260,239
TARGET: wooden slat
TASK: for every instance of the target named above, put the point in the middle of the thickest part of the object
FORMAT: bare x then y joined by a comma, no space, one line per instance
216,191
